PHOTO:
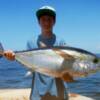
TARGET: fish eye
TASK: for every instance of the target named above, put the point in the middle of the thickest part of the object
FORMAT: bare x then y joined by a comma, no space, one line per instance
95,60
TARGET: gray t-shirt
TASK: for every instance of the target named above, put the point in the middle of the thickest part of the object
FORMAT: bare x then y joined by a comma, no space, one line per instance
43,84
47,41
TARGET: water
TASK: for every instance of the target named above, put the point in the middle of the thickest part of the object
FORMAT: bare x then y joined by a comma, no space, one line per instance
12,75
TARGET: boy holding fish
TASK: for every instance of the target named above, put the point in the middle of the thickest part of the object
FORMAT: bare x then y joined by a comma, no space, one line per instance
46,87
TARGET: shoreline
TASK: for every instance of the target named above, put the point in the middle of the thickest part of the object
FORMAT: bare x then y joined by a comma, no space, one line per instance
23,94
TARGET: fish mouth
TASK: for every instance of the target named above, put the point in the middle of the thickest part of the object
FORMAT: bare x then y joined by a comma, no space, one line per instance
96,60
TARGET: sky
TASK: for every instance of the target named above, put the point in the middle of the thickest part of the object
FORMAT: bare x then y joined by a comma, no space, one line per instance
78,22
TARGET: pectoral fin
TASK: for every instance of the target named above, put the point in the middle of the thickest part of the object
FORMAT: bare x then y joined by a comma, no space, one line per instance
63,54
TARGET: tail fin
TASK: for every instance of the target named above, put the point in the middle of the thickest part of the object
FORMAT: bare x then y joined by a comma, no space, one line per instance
1,50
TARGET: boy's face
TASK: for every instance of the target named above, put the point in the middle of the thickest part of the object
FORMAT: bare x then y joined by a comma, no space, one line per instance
46,22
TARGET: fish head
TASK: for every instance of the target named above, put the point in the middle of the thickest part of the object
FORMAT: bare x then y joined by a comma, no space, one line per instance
96,60
87,56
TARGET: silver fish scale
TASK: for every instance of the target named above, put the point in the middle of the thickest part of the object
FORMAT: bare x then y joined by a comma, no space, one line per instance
41,59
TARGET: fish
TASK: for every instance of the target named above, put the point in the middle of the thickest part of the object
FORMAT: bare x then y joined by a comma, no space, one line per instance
54,61
63,62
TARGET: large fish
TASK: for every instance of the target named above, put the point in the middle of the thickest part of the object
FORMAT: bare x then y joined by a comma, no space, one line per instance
59,61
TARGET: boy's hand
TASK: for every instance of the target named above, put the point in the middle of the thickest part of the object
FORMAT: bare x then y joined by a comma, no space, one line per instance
10,55
67,77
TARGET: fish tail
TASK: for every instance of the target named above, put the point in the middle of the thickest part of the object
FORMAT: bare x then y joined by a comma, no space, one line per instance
1,50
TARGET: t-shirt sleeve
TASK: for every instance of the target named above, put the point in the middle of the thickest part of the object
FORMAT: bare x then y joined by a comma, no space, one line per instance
38,40
30,45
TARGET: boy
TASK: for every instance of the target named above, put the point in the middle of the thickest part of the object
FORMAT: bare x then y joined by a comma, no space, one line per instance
45,87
